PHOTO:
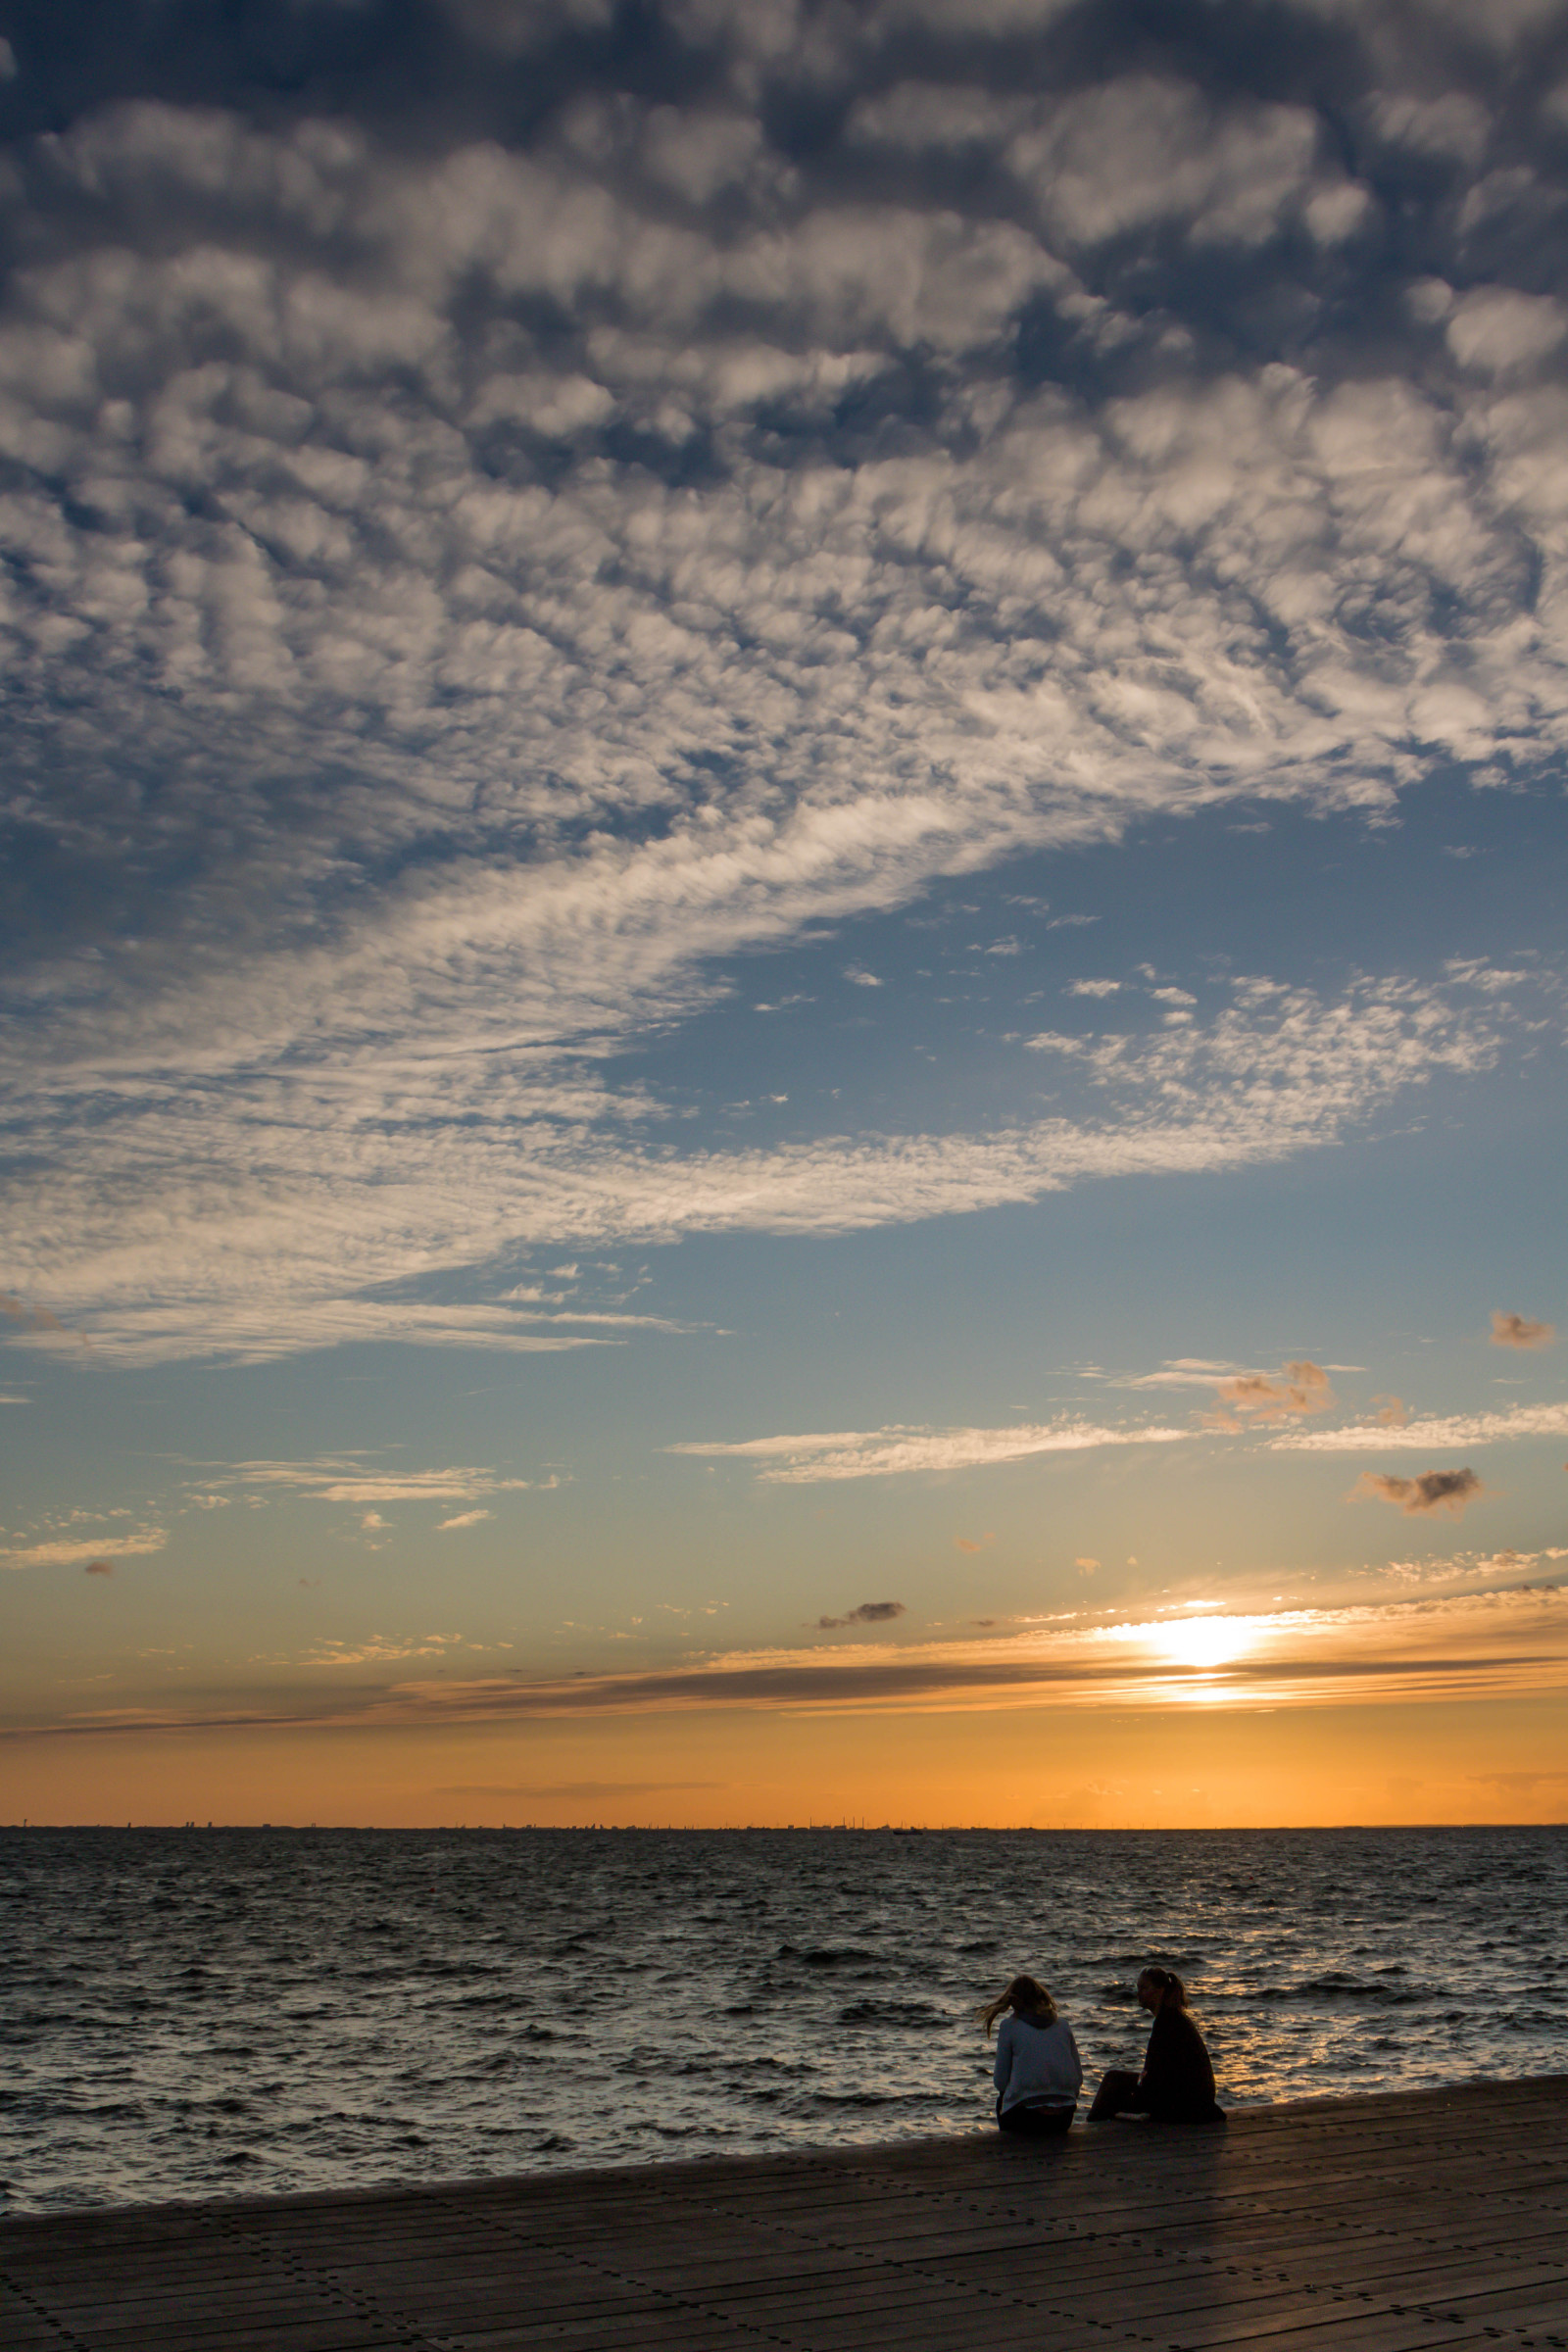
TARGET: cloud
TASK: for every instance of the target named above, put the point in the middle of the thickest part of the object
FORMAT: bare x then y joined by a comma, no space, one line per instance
1496,330
972,1544
524,571
1465,1566
463,1519
869,1612
1246,1397
1186,1372
1518,1331
1302,1389
380,1649
1274,1073
891,1453
36,1318
1498,1643
1087,1566
1429,1432
99,1568
1447,1491
97,1552
353,1479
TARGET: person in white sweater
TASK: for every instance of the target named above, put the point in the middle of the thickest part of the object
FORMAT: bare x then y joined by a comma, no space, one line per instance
1038,2072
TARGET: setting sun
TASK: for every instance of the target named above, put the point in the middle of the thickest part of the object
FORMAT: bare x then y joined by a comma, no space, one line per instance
1205,1641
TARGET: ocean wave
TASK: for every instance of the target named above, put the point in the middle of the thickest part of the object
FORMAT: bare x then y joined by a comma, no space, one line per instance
346,2008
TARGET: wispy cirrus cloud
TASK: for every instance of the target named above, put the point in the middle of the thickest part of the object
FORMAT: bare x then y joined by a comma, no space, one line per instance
1497,1643
458,1176
380,1649
1188,1372
355,1478
807,1459
70,1551
1373,1653
1426,1433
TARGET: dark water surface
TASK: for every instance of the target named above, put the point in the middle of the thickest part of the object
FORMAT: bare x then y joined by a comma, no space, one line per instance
200,2013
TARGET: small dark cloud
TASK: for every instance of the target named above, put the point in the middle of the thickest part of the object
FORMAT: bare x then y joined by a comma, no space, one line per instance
1433,1491
869,1612
99,1568
1519,1331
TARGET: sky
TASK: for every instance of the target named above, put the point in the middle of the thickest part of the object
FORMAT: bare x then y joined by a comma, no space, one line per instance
782,888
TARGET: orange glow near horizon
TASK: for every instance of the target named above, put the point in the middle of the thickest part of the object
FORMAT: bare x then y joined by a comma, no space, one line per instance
1172,1767
1256,1718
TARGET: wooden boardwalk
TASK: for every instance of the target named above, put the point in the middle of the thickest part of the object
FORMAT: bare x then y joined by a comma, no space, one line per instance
1435,2218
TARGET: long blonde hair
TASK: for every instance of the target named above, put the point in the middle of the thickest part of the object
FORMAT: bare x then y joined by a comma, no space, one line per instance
1023,1995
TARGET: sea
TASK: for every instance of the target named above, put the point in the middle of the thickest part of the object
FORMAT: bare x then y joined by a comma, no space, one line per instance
214,2013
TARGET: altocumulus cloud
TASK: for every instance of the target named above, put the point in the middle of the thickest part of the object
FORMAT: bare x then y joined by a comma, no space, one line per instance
713,485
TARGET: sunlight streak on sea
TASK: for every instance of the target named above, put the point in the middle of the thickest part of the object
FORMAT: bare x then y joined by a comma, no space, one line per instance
209,2014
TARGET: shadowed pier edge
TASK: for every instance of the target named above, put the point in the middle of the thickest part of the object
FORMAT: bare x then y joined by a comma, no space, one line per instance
1359,2225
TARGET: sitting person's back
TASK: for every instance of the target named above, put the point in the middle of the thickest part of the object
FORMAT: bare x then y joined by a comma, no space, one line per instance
1038,2072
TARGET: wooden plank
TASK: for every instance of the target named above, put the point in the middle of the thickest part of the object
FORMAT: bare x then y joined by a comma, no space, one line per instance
1369,2225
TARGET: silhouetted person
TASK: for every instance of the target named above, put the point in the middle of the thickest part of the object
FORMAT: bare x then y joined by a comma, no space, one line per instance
1177,2084
1038,2072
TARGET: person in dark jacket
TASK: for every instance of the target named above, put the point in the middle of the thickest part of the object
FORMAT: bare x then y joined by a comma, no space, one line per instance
1177,2084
